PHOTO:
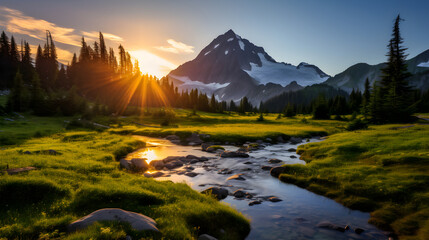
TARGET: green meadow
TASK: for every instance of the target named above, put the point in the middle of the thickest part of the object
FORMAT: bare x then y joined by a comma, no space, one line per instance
383,170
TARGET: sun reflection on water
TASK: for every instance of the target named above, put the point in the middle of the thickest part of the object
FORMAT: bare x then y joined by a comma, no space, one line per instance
149,154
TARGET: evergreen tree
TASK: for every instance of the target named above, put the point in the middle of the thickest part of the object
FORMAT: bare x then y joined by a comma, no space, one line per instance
213,103
15,101
366,98
396,94
103,49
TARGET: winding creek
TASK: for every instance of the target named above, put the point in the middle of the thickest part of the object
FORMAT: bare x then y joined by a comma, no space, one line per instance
295,217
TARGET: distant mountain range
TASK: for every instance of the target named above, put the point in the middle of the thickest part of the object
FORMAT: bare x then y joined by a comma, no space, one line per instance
231,67
354,76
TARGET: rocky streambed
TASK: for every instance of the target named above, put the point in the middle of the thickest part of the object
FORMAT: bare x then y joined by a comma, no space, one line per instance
240,177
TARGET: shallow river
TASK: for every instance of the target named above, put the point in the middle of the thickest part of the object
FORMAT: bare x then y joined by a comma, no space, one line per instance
296,217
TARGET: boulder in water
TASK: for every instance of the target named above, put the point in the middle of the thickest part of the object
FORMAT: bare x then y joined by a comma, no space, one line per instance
218,192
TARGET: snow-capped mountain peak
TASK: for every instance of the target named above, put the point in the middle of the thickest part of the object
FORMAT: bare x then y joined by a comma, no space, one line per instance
239,68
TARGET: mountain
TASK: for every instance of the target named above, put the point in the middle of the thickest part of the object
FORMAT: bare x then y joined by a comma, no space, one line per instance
354,76
302,97
231,67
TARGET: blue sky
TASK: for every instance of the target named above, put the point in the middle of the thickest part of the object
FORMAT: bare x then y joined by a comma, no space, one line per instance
330,34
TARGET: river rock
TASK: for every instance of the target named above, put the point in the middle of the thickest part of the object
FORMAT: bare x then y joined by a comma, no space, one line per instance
331,226
137,221
266,168
274,199
123,163
242,149
189,168
292,156
206,237
291,150
236,154
218,192
239,193
172,137
254,202
194,139
191,174
295,140
359,230
274,160
171,159
280,139
276,171
247,163
157,164
173,164
139,164
153,175
236,177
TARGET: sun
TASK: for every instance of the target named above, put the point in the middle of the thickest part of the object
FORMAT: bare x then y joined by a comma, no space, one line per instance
152,64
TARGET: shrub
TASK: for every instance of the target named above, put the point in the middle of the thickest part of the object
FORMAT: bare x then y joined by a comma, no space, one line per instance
357,124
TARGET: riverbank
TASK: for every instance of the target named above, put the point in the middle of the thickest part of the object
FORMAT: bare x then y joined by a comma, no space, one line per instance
383,170
77,173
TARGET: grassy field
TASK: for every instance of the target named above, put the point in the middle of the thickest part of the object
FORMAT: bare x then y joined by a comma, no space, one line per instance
84,177
383,170
232,128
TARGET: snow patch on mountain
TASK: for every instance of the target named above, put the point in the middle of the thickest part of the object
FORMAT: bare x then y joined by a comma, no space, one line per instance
190,84
207,53
279,73
423,64
226,52
241,43
230,39
217,45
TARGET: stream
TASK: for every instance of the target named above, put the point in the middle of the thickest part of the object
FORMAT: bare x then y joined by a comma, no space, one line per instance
295,217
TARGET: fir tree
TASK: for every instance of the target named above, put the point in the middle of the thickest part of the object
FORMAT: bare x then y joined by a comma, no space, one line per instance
396,94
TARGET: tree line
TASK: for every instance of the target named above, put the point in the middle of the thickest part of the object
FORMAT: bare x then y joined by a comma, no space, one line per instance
97,82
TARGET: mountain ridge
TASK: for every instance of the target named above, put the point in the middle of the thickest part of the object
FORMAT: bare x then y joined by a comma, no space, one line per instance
232,67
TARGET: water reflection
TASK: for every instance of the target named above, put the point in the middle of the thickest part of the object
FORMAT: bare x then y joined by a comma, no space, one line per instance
295,217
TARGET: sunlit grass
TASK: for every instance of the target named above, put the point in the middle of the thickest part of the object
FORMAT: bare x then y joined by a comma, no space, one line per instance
384,170
83,176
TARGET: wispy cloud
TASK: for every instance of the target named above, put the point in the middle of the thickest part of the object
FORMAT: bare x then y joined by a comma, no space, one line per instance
16,21
95,35
176,47
63,55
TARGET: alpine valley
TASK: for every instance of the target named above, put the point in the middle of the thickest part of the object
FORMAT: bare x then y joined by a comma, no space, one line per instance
232,67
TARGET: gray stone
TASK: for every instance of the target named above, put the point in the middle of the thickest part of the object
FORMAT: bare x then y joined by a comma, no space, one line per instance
194,139
236,177
173,164
276,171
295,140
359,230
237,154
254,202
157,164
274,160
239,193
191,174
331,226
291,150
123,163
137,221
225,171
218,192
266,168
139,164
274,199
292,156
173,137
